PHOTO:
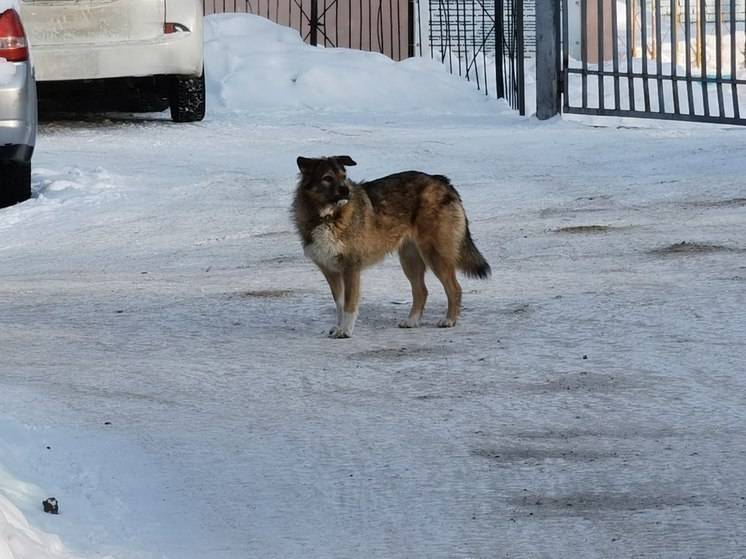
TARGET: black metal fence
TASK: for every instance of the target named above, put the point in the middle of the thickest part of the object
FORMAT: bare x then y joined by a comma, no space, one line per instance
481,40
383,26
666,59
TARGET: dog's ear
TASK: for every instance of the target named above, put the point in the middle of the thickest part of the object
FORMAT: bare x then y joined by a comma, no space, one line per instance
305,164
345,160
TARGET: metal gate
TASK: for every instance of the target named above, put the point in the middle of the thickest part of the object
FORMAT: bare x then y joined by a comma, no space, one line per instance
483,41
665,59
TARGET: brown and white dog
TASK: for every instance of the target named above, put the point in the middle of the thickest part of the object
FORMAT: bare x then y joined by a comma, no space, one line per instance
346,227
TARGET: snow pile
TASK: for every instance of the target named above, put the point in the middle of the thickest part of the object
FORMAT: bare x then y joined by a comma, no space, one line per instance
253,64
73,183
18,539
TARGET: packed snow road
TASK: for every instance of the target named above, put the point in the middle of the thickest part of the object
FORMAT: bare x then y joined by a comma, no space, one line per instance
164,334
166,376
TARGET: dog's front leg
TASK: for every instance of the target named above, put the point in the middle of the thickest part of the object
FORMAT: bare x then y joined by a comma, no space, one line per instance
334,279
351,288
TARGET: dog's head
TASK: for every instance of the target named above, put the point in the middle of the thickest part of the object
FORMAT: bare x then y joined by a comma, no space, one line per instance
324,181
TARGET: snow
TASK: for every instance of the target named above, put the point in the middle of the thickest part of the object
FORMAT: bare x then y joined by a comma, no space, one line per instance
18,539
165,373
279,71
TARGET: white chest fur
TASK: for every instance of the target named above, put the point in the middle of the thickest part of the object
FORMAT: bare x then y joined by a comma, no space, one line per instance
325,247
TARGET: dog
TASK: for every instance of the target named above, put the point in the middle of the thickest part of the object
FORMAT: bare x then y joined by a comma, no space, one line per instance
346,226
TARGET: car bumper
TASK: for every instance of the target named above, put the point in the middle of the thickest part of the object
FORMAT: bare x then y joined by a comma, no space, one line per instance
173,54
18,114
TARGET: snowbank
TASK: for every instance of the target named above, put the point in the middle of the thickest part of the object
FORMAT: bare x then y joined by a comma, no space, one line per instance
18,539
253,64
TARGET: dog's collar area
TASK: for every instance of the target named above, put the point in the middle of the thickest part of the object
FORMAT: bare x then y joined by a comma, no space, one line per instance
329,210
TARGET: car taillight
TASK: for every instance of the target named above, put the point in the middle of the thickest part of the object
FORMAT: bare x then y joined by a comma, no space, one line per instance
13,46
169,27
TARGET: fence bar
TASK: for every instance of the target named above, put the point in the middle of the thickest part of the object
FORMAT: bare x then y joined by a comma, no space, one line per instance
644,39
688,41
484,54
655,115
600,35
675,55
499,50
411,40
640,75
630,57
733,54
474,59
659,57
565,55
449,51
615,52
703,55
584,50
519,58
719,53
458,36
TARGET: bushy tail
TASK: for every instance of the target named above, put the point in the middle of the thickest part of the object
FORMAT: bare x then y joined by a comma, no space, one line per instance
471,261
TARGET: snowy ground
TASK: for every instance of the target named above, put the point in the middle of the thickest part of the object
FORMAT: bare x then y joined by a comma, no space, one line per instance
165,373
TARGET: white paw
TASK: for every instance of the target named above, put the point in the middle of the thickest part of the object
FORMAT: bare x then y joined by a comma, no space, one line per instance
409,323
446,323
339,333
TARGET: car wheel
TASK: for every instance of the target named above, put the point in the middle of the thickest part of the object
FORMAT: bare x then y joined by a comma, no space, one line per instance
187,99
15,183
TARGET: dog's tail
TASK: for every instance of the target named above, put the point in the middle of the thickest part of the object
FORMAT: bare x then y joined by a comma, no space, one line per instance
471,262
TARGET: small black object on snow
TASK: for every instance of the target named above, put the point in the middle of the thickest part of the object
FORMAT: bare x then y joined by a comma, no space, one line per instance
51,505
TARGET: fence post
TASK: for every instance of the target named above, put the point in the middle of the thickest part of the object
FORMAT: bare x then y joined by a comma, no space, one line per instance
410,29
499,49
547,58
314,22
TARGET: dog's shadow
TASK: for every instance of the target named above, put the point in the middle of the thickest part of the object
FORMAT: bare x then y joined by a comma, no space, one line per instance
311,313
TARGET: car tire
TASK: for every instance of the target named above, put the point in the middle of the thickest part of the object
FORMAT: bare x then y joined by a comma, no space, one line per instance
187,98
15,182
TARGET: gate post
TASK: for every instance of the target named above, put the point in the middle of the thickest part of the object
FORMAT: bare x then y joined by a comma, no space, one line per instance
499,49
547,58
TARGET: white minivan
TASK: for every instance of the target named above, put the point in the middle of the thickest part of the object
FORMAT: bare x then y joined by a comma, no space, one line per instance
136,54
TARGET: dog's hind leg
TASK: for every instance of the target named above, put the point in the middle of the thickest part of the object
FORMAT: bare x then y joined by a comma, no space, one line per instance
351,281
414,268
445,271
334,279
